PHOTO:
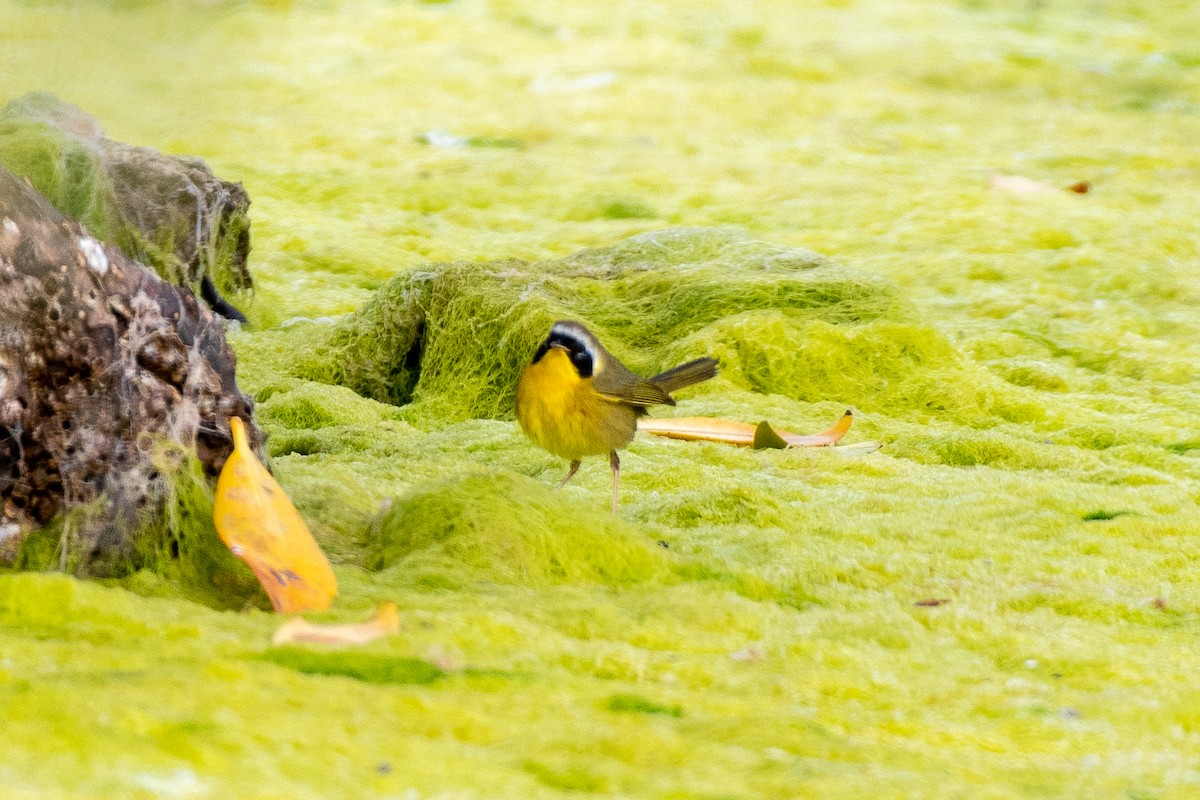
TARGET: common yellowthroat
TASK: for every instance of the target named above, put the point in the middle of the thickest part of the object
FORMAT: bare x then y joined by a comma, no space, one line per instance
575,399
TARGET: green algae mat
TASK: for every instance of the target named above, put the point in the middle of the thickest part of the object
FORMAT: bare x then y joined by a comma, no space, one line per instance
1004,602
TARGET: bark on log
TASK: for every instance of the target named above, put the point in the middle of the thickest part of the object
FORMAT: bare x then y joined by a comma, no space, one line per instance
100,362
168,212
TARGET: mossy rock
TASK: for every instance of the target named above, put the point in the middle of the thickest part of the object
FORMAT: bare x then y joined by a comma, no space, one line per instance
178,552
63,168
167,212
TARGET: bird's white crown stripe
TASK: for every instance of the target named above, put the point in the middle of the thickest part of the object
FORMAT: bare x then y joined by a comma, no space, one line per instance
573,332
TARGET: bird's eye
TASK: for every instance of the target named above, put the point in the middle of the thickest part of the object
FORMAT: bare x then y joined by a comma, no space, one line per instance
583,363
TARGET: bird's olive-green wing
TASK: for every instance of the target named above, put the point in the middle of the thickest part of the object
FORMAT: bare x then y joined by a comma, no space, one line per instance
686,374
617,383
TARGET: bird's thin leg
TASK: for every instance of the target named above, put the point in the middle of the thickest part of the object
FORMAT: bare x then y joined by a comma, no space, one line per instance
615,463
570,474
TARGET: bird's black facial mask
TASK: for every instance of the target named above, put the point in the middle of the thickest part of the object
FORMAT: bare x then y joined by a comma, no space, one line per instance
581,358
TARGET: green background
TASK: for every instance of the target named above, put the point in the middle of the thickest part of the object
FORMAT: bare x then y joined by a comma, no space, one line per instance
1029,359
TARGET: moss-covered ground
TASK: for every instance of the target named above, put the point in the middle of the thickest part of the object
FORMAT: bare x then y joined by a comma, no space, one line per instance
1002,603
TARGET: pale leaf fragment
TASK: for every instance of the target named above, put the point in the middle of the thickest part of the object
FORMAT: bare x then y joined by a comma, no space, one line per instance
385,622
1019,184
858,448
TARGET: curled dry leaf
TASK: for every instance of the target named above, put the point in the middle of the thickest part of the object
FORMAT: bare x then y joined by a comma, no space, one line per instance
386,621
259,524
762,435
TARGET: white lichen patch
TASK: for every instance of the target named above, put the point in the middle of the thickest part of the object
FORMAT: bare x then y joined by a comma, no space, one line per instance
440,138
322,320
93,251
10,227
562,84
180,783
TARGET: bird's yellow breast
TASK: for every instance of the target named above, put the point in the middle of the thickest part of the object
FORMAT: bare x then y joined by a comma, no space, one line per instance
563,413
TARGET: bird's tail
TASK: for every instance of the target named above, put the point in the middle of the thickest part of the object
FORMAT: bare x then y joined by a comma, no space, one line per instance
686,374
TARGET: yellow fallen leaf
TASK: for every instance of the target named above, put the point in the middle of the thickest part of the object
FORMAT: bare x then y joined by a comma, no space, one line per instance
762,435
385,622
259,524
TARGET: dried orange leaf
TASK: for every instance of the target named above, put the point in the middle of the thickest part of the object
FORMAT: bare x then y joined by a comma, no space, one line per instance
700,429
258,522
823,439
713,429
385,622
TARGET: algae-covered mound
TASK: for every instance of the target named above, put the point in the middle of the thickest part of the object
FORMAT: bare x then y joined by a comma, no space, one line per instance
167,212
453,339
498,528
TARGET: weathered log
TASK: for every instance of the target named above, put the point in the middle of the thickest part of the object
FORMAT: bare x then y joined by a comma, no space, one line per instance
101,363
168,212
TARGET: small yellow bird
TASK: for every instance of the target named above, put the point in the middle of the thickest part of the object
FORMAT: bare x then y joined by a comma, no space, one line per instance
575,399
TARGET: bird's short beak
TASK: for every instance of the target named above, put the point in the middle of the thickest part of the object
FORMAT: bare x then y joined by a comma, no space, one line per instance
557,346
